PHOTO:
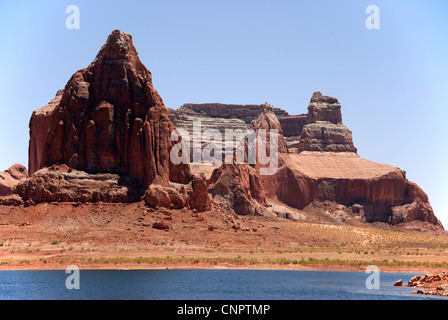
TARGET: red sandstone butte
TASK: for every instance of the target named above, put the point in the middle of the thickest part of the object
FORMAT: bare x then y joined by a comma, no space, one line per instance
108,119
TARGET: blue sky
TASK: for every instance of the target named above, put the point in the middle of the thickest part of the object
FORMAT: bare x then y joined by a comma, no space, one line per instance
391,82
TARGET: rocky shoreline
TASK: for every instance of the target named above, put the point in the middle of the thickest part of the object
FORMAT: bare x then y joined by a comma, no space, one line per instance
428,284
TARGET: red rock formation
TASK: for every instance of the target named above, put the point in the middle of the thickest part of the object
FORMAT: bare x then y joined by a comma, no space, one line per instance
290,185
158,196
268,121
199,198
380,192
109,119
177,196
11,178
219,110
434,284
11,200
416,207
238,187
60,183
375,192
324,130
17,172
110,125
323,108
327,168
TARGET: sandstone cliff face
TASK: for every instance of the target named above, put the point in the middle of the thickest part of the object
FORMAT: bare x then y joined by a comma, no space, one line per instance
222,117
40,124
324,130
380,192
247,113
321,129
292,125
109,119
290,185
11,178
238,187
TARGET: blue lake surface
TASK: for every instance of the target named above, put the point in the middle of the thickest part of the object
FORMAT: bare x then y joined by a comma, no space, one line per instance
202,285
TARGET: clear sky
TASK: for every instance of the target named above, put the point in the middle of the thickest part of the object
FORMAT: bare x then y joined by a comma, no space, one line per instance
392,82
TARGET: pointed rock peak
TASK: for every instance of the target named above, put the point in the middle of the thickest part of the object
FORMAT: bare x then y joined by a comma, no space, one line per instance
119,49
109,119
266,107
119,38
267,120
118,42
266,115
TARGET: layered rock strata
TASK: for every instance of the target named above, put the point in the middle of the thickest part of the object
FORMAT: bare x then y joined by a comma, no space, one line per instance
247,113
327,168
324,130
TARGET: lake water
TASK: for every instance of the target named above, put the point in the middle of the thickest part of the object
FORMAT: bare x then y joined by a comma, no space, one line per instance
202,285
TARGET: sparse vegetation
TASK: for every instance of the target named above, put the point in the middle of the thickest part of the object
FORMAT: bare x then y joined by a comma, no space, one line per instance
276,244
